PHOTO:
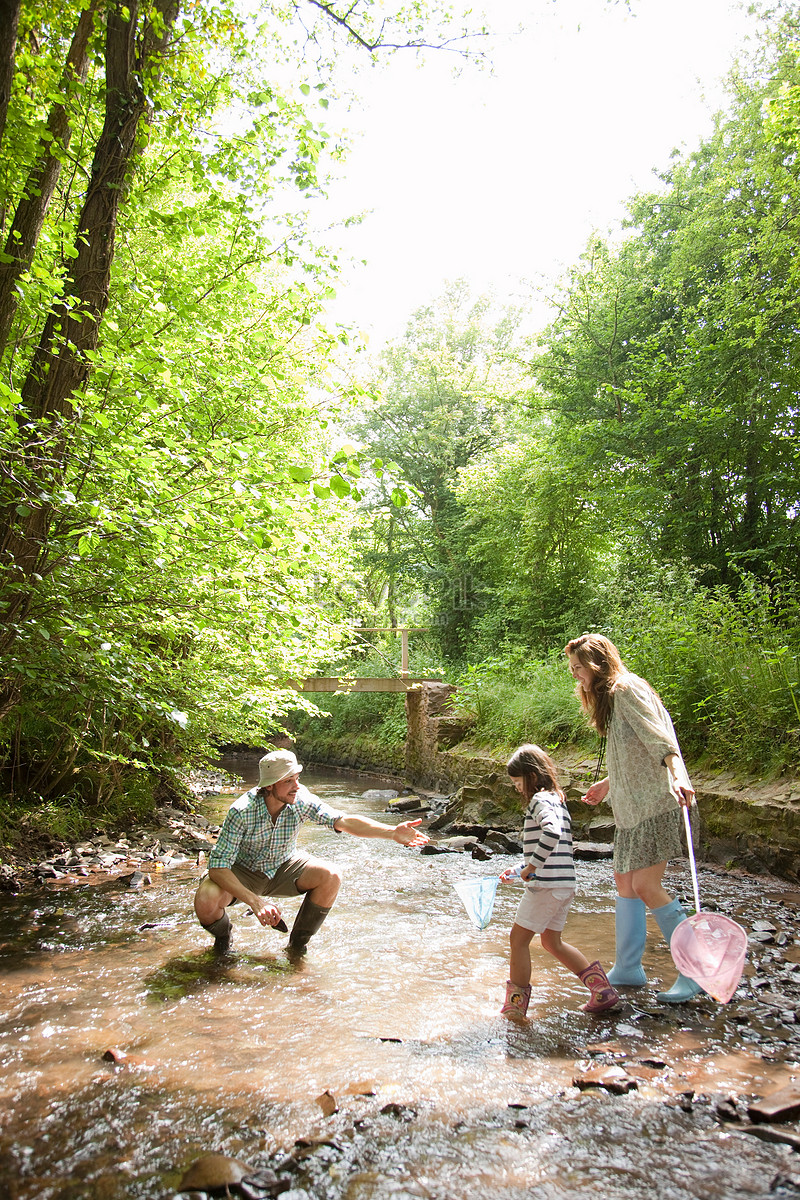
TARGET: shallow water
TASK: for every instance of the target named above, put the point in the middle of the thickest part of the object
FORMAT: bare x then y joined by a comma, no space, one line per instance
398,998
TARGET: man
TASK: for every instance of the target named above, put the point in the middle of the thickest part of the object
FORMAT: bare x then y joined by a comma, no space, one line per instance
256,854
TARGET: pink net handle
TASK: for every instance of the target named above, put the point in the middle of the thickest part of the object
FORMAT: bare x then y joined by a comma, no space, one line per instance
690,847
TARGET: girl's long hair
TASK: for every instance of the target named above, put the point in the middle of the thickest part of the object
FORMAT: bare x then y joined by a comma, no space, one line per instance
602,659
536,769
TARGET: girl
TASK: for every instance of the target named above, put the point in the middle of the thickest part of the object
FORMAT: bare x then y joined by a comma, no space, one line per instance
646,784
549,878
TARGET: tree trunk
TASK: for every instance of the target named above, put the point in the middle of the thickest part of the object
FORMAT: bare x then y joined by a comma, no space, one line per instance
61,362
42,178
9,22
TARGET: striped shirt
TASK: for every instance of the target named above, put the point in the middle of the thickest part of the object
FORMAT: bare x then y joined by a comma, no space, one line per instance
249,837
547,842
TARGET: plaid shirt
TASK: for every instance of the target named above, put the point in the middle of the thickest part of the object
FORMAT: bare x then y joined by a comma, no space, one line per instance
249,837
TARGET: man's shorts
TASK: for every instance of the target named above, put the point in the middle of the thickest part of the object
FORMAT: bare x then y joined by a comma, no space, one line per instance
544,908
282,883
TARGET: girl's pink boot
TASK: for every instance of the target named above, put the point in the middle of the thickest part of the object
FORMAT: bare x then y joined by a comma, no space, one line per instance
603,995
516,1002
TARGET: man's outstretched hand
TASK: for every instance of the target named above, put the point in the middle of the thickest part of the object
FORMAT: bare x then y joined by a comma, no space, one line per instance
407,834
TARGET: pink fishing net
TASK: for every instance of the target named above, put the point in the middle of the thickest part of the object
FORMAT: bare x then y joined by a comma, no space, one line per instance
711,950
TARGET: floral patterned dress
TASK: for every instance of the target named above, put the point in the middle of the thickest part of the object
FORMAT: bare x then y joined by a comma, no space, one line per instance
646,809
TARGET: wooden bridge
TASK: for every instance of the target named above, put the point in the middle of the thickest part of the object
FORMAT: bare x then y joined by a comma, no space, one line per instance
404,682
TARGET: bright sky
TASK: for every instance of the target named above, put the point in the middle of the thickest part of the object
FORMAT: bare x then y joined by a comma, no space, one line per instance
501,178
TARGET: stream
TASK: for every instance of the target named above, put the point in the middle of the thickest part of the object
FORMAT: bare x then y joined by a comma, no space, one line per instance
394,1012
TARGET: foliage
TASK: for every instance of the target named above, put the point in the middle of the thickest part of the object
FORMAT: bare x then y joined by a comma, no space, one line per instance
515,698
671,368
727,665
441,398
172,534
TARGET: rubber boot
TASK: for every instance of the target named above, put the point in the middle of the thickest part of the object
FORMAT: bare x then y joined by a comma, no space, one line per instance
631,934
306,924
221,932
516,1002
669,917
603,995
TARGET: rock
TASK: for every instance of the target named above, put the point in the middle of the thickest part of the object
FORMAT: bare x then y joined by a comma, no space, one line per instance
459,843
114,1054
482,853
502,843
47,871
365,1087
401,1112
327,1102
137,880
726,1111
614,1049
435,848
782,1105
611,1079
214,1171
592,850
767,1133
785,1184
470,831
601,829
411,804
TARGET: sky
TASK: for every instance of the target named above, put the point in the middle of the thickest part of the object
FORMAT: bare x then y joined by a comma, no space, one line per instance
500,178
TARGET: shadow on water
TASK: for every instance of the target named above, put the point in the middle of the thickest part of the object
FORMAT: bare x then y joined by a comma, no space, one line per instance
188,974
395,1013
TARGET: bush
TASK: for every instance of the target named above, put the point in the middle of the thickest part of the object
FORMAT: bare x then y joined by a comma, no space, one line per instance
516,699
726,665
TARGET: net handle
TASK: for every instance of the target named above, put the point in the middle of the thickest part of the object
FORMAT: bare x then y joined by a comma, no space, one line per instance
690,847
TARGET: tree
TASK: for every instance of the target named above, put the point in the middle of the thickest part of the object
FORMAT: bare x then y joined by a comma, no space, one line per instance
672,366
170,549
441,400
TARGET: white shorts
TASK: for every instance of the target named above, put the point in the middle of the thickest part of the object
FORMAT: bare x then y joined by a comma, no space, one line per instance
544,908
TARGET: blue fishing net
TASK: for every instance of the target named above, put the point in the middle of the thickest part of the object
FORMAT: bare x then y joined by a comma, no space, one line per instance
477,896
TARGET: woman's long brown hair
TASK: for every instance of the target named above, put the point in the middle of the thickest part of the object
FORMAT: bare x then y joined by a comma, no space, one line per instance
536,769
601,658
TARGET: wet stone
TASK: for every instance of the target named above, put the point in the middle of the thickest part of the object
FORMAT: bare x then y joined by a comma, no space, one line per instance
459,843
214,1171
785,1185
589,851
401,1112
328,1104
615,1080
380,795
408,805
768,1133
783,1105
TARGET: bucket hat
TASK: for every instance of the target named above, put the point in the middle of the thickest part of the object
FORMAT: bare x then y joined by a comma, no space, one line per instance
275,766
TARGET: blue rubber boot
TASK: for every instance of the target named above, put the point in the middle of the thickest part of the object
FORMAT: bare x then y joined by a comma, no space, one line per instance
669,917
631,931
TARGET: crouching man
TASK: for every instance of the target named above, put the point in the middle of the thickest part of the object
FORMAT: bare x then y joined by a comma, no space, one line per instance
256,854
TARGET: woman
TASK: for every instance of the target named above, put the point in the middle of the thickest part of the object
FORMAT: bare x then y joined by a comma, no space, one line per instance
646,785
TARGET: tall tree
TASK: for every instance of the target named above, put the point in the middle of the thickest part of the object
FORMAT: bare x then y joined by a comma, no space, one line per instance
441,399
